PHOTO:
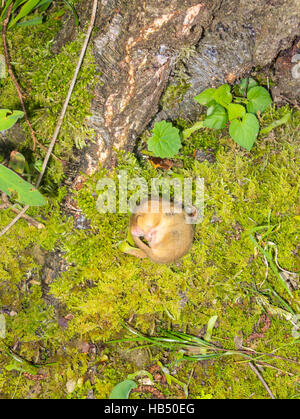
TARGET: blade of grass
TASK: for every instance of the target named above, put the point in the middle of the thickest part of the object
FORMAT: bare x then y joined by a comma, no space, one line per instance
201,357
35,21
189,131
43,5
25,10
74,12
277,123
190,338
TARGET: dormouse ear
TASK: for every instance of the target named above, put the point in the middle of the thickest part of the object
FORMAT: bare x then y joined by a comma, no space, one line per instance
192,214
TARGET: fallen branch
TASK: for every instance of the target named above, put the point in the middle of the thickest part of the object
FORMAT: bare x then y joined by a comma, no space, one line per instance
291,102
13,222
265,364
6,205
29,219
63,111
261,379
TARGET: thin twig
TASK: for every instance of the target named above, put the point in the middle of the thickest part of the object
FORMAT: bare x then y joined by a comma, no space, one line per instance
29,219
261,379
58,126
291,102
6,205
46,149
13,222
271,355
265,364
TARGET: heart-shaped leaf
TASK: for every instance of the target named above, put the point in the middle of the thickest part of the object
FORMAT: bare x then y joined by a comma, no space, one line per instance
259,99
165,141
217,117
22,191
243,84
235,111
9,118
122,390
223,96
245,132
205,97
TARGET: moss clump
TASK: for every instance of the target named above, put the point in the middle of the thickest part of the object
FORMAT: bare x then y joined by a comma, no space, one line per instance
220,276
65,341
173,94
175,91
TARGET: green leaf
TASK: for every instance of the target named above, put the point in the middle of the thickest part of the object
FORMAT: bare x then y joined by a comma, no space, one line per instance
211,108
43,5
210,325
17,4
277,123
205,97
243,84
7,3
122,390
259,99
189,131
73,11
126,246
9,118
245,132
35,21
25,10
235,111
22,191
223,96
165,141
217,117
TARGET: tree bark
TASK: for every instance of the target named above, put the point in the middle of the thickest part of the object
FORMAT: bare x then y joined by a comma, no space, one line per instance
136,50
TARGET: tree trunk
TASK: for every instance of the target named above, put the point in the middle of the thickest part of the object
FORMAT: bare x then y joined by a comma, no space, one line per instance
140,44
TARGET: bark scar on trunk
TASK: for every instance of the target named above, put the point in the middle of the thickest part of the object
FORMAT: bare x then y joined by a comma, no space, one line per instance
135,55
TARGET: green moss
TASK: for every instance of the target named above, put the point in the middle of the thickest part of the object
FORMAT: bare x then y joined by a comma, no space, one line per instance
98,286
173,94
103,286
46,78
241,190
175,91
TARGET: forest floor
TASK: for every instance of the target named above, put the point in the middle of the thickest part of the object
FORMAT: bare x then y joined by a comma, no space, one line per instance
67,292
